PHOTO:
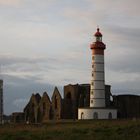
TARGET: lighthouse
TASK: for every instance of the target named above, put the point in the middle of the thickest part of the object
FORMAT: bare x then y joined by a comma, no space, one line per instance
97,86
97,107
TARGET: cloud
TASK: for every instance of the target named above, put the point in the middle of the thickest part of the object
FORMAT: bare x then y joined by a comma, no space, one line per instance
9,59
44,69
47,43
19,103
10,2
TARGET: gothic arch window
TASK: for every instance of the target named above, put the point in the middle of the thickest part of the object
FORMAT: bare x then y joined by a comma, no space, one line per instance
17,118
33,108
84,101
55,102
68,96
95,115
110,115
118,115
44,108
82,116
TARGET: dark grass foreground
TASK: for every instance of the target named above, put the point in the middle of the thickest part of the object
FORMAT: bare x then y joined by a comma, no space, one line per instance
74,130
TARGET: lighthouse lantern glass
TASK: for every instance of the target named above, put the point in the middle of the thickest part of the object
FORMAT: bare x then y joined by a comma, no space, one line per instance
99,39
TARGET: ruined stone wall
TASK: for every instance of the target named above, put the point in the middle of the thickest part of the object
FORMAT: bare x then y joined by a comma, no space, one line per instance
70,101
75,96
56,105
32,108
41,109
128,106
17,117
44,113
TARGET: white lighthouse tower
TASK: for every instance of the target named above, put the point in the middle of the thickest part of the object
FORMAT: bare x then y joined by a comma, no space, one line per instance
97,89
97,108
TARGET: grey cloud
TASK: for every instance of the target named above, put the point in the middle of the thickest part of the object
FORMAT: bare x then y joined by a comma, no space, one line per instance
131,35
63,30
14,3
124,91
20,103
123,53
8,59
127,64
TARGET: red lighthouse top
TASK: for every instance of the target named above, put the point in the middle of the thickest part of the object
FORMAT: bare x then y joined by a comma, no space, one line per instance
98,44
98,33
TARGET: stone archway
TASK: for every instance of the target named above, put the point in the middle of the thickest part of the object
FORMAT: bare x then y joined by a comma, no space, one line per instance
82,115
110,115
95,115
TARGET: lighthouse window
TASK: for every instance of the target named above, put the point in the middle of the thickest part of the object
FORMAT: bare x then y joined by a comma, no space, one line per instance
92,101
55,100
92,83
110,115
95,115
92,66
92,92
68,96
92,57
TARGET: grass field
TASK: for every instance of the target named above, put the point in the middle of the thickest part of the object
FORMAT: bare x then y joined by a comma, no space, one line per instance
74,130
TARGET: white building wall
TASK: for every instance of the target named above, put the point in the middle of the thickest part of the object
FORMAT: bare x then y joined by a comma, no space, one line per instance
97,102
88,113
98,58
99,94
98,85
98,76
98,67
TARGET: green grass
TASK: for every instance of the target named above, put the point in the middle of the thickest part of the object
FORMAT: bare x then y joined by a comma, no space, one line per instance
78,130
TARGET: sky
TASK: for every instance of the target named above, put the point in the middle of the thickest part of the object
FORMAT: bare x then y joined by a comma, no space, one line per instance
45,43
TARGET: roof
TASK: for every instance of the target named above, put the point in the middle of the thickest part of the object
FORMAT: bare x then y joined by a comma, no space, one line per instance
37,97
98,45
98,33
45,95
56,92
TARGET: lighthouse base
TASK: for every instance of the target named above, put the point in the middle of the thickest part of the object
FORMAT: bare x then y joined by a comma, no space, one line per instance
97,113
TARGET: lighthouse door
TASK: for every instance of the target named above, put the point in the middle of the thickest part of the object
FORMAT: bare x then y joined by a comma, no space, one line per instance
82,116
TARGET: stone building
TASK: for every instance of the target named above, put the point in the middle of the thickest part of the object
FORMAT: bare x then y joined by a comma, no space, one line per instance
42,109
128,106
75,96
17,117
57,105
98,108
31,110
